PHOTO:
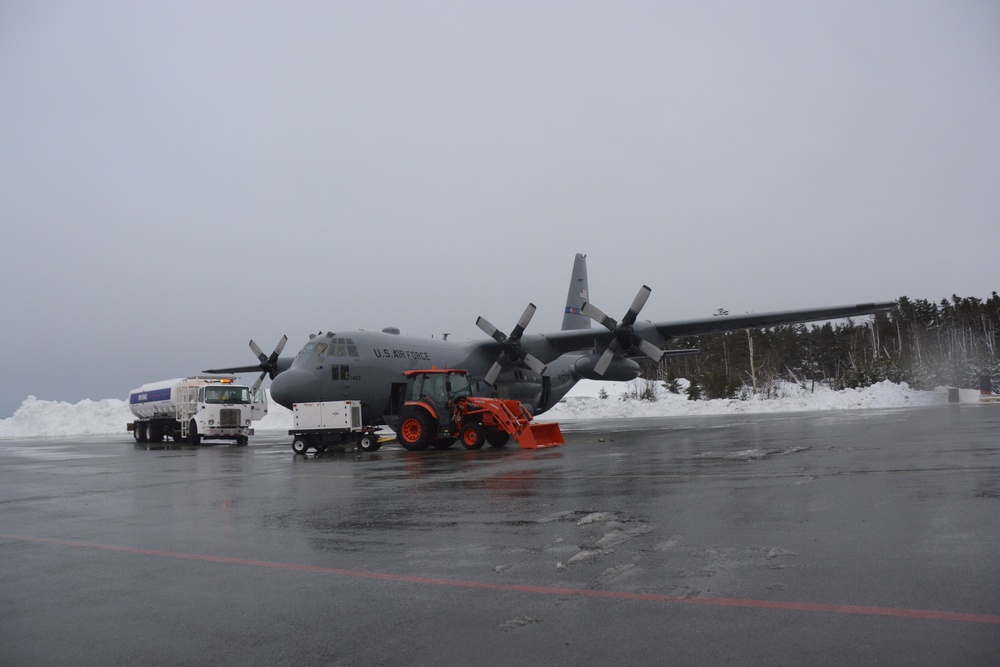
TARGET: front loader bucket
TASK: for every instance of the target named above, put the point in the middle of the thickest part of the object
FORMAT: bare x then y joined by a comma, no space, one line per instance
539,436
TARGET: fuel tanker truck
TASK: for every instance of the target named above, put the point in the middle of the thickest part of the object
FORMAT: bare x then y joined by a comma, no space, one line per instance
195,408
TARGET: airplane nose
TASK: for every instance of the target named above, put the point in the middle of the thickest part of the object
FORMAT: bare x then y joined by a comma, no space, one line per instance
295,385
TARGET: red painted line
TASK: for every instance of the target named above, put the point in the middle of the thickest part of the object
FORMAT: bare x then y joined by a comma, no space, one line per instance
922,614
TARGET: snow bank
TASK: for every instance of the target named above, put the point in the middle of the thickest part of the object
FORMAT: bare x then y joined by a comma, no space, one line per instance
583,402
36,417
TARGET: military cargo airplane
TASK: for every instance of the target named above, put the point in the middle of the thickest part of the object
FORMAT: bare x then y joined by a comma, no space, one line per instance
536,369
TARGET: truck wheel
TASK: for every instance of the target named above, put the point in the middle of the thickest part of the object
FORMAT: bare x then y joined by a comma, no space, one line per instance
193,436
139,432
154,432
300,446
415,429
496,437
368,442
242,441
472,436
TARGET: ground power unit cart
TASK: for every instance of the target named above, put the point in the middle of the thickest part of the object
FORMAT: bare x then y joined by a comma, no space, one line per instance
330,424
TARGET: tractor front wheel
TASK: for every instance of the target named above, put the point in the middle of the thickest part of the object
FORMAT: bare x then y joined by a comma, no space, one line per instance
472,436
496,437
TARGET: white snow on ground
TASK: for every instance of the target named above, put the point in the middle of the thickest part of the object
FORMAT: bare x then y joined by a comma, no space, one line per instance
583,401
37,418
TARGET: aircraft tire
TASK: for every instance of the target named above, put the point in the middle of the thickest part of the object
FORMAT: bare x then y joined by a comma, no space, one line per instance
299,445
193,436
368,442
415,429
472,436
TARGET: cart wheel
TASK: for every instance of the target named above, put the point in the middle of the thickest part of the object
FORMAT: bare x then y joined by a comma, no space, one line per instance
368,442
299,446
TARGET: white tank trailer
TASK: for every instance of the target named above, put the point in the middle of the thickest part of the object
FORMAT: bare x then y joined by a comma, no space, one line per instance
195,408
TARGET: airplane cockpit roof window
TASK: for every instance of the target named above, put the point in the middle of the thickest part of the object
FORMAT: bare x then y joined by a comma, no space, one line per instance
337,347
343,347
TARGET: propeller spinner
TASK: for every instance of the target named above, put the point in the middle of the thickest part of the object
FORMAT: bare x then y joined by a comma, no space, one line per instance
268,364
625,338
511,352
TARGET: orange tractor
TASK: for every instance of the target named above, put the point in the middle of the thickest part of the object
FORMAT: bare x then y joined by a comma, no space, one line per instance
439,409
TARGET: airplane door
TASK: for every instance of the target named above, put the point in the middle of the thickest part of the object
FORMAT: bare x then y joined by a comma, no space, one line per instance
397,396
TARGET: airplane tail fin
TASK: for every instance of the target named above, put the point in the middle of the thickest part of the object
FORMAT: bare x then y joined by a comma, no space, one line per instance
577,296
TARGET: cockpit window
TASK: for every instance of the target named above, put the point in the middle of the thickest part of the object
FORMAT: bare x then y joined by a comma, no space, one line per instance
336,347
343,347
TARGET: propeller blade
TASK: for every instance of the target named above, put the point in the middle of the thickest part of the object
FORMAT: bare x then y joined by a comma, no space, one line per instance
637,303
596,314
491,375
602,364
534,363
490,330
523,322
279,347
256,385
650,350
259,353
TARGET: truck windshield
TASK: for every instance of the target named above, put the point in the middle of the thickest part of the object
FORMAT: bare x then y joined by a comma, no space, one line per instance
227,394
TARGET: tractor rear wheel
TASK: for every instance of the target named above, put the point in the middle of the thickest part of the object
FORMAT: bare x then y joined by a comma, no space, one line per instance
415,429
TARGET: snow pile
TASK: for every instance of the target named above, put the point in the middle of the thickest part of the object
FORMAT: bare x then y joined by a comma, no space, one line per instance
37,417
583,402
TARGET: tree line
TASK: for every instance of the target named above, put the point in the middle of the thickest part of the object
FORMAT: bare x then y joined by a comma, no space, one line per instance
952,342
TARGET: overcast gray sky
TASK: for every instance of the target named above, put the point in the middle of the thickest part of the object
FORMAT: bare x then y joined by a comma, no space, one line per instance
179,177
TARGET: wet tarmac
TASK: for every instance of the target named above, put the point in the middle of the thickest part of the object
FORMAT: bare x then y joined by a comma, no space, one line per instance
867,537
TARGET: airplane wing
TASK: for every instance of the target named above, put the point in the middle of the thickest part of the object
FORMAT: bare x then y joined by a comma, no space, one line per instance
281,364
549,346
